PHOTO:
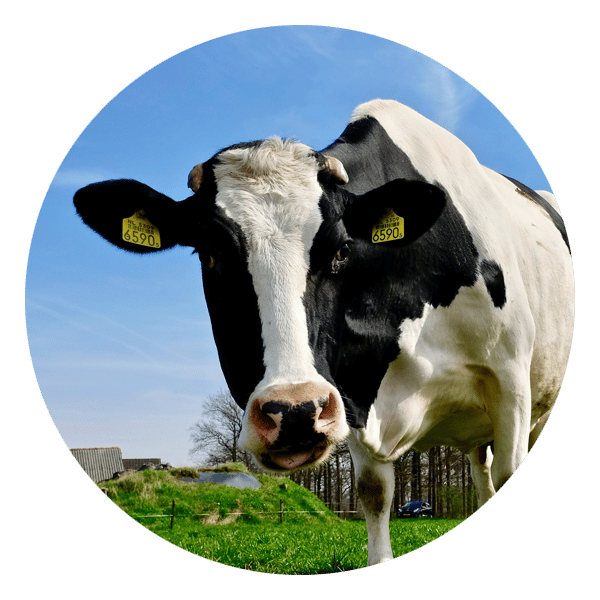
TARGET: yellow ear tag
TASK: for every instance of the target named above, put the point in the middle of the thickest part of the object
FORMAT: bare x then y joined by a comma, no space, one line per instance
138,230
389,228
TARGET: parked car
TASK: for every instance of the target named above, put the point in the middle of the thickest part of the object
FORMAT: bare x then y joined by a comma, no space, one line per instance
415,509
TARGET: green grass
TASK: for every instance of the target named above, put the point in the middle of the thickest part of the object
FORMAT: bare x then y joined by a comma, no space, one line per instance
310,540
295,548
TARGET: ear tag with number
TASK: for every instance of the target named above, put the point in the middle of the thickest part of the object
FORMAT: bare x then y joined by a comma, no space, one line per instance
390,227
138,230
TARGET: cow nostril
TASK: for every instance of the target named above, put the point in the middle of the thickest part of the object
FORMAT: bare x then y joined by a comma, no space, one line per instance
327,406
264,418
267,416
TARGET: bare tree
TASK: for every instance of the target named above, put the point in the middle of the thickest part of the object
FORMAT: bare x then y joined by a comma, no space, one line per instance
215,435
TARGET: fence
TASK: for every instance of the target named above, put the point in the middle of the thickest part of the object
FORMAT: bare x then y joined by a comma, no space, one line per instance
280,512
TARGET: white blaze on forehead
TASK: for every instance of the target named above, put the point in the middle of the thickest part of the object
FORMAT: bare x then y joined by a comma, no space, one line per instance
271,191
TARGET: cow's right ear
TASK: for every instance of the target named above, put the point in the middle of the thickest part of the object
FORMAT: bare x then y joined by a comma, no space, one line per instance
133,216
395,214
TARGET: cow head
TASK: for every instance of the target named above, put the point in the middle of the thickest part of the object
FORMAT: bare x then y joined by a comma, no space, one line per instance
288,271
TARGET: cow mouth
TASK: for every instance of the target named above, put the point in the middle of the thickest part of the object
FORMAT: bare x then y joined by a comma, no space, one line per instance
288,461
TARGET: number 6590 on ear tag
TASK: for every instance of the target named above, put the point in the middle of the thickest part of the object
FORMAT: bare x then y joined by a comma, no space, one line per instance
390,227
138,230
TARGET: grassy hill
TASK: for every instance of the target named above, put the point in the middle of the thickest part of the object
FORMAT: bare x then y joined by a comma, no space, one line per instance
145,493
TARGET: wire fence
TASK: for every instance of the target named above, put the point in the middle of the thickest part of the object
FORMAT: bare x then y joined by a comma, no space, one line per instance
281,512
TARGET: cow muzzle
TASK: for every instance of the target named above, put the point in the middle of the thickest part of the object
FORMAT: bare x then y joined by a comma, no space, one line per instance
292,426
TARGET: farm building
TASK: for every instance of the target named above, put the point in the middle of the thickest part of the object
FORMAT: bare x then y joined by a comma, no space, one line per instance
133,464
99,463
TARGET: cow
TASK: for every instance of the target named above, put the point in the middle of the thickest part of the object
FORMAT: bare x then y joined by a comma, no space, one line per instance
388,290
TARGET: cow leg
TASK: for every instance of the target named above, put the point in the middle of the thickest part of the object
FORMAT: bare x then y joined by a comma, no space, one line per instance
481,472
535,432
375,485
509,409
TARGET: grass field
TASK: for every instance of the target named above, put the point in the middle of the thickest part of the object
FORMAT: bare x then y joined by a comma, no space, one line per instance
298,549
241,528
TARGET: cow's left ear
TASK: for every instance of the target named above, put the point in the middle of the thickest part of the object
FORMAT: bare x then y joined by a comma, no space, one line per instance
395,214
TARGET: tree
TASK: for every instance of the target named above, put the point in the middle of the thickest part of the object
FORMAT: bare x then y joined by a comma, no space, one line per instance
215,435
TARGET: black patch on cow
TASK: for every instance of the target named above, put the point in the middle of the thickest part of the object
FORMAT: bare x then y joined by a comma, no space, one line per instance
355,315
552,212
370,157
494,282
229,291
234,315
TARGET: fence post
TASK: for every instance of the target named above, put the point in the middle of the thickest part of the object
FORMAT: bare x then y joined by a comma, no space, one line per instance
281,511
172,513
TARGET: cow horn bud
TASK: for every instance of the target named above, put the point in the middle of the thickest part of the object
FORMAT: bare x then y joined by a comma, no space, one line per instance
336,168
195,178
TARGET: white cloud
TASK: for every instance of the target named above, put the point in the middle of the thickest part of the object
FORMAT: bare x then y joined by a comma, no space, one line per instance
90,328
79,177
448,94
322,42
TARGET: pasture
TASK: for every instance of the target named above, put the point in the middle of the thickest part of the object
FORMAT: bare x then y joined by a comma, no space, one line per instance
298,548
279,528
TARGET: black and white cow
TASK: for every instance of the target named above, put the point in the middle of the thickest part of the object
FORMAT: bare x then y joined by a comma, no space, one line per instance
447,321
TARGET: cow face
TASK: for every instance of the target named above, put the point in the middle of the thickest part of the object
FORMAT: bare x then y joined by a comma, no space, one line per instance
291,278
271,193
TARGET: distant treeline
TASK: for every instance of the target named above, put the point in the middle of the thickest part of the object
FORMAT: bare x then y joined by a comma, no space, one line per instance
440,477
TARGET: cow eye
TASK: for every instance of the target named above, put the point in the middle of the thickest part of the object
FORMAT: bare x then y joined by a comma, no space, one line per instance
206,260
341,258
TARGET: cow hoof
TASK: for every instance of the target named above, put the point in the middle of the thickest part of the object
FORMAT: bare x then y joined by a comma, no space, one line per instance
380,561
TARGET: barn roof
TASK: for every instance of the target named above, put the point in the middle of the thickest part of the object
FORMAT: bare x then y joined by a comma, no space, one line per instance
99,463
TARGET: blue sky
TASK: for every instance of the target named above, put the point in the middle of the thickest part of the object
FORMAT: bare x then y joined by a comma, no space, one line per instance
121,344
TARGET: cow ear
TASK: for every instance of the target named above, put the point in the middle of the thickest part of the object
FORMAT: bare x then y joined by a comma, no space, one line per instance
395,214
133,216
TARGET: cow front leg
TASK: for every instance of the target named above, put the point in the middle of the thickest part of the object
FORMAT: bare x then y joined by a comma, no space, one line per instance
375,485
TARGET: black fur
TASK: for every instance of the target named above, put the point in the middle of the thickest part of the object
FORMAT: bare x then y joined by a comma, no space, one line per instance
494,281
554,215
229,292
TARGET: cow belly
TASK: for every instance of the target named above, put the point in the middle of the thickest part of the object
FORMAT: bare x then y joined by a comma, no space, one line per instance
463,430
421,407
